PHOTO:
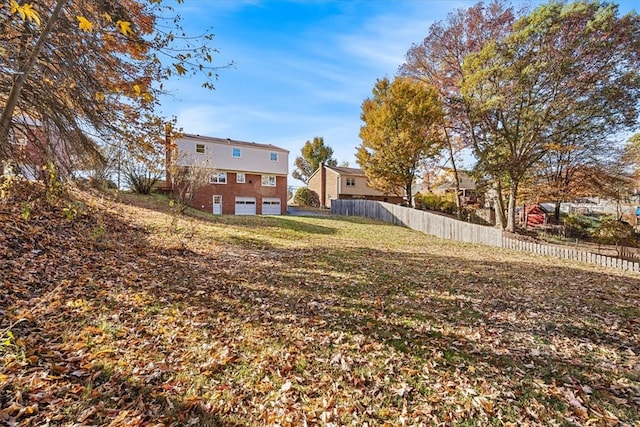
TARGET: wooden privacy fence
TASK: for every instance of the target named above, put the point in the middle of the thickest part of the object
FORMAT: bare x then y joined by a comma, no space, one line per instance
449,228
429,223
571,254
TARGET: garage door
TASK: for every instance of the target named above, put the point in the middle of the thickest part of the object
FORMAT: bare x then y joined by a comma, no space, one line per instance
245,205
271,206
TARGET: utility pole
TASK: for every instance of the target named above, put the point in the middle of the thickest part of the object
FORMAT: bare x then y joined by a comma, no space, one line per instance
167,161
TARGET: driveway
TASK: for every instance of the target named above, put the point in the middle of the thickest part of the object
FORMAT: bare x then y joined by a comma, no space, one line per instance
298,211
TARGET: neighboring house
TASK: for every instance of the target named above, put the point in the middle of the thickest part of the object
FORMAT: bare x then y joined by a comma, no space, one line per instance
246,178
23,159
467,186
332,183
32,147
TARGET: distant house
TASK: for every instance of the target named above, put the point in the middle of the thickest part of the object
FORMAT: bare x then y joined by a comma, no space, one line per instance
247,178
331,183
468,188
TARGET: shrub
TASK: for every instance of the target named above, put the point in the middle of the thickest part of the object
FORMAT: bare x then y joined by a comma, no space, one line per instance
615,232
187,180
306,197
52,181
448,206
434,202
427,201
577,226
101,183
140,176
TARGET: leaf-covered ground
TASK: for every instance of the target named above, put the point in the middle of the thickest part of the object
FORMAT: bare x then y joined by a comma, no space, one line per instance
122,314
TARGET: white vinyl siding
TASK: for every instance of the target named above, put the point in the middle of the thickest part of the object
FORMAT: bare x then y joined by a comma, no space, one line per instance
218,154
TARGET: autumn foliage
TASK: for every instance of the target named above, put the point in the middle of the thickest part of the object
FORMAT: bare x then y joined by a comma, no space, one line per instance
87,74
537,94
110,316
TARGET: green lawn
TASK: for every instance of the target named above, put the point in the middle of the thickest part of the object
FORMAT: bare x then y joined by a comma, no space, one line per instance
126,315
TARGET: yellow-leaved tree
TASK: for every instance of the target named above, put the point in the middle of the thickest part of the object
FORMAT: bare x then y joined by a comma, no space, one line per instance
402,127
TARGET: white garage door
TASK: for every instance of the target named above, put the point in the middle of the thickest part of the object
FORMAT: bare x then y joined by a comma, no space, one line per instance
245,205
271,206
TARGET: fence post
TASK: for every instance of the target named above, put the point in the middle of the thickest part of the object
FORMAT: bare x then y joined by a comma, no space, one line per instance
449,228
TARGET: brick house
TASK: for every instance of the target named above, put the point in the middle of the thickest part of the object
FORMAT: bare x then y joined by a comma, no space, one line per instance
32,146
246,178
331,182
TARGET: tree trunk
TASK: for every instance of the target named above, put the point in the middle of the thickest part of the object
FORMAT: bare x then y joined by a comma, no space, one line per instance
501,221
408,193
556,212
511,214
455,175
21,78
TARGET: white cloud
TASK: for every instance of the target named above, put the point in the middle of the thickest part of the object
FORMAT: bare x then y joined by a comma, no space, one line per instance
200,119
383,40
287,88
207,119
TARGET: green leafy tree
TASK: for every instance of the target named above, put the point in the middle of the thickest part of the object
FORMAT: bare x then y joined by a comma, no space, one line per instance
567,73
313,154
402,127
307,197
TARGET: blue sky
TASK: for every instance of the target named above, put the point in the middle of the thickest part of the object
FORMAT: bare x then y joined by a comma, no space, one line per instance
302,68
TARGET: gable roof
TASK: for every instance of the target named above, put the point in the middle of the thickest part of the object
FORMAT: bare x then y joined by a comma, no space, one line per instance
467,182
341,171
536,207
346,171
232,142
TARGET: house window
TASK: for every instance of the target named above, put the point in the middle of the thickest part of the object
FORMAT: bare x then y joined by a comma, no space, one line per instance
218,178
236,153
273,157
269,180
240,178
200,148
351,182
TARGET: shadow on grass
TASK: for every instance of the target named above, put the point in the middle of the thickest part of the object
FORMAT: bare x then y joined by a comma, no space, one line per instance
461,312
504,316
304,227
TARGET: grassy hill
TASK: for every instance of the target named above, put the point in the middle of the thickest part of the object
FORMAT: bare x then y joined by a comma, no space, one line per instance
118,312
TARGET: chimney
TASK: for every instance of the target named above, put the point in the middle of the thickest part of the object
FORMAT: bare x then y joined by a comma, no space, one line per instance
323,185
